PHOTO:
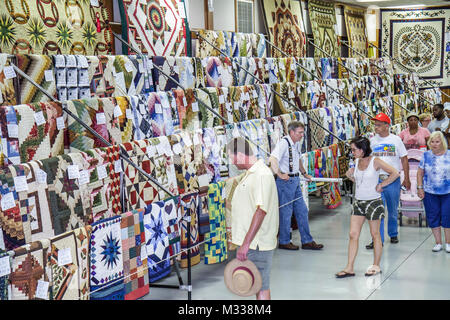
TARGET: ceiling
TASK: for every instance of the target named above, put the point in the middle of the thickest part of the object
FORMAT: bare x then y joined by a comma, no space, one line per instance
395,3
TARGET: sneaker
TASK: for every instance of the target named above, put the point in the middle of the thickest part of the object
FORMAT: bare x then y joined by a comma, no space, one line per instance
447,247
394,240
438,247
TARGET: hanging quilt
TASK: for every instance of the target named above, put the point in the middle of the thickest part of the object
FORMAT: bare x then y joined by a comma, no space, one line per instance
211,154
106,260
285,26
220,39
188,109
169,67
256,131
323,23
418,39
134,254
4,280
229,188
7,91
259,46
27,269
71,76
172,217
49,27
218,72
216,245
154,27
209,98
189,206
187,72
99,71
157,241
356,31
35,66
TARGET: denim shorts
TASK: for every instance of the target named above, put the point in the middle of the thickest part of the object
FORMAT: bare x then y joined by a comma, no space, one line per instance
262,261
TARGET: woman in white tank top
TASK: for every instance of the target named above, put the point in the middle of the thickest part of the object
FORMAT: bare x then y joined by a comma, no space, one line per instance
367,203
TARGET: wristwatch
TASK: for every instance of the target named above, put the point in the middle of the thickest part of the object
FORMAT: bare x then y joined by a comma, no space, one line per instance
419,187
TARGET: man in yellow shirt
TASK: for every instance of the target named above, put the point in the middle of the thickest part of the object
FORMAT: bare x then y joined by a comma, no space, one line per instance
254,212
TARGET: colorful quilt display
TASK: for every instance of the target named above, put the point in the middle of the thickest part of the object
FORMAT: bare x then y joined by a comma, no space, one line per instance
189,206
4,280
106,260
71,77
49,27
7,91
134,254
418,39
229,188
155,27
172,216
285,25
218,72
356,31
216,246
27,269
157,240
323,23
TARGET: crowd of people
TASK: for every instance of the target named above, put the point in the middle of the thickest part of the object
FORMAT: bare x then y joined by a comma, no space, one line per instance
268,196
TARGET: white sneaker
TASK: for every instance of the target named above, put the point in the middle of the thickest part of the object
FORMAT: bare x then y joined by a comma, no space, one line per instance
438,247
447,247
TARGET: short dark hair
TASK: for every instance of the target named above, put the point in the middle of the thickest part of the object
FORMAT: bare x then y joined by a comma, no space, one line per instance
294,125
362,143
439,105
241,145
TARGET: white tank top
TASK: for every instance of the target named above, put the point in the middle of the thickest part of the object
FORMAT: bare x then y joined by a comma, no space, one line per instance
366,182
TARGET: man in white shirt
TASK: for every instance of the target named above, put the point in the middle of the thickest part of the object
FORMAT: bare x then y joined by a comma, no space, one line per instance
390,148
440,121
285,162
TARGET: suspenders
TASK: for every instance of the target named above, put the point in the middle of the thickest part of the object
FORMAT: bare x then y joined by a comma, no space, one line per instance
291,159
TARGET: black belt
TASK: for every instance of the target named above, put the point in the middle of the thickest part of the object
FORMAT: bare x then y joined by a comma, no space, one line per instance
293,175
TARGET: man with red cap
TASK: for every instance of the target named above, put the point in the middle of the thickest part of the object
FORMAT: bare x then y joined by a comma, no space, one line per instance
390,148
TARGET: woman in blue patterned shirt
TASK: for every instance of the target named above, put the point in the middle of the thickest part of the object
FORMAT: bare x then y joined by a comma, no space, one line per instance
433,186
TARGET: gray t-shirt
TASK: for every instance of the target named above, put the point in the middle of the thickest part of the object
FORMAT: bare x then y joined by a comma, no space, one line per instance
438,124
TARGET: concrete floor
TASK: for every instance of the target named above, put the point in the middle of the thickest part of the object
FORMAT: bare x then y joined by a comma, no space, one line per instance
410,270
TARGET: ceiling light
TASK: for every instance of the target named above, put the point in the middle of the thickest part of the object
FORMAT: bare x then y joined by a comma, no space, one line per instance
407,6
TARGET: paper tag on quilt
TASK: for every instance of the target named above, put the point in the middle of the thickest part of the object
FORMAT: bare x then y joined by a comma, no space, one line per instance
94,3
187,140
129,114
20,183
73,172
101,119
13,130
203,180
64,257
129,66
195,106
42,290
151,151
158,108
117,111
41,176
9,72
39,118
101,172
84,177
49,76
236,132
60,123
8,201
118,166
177,148
5,267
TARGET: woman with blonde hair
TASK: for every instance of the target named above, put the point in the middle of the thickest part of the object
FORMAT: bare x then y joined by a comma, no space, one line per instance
433,186
425,119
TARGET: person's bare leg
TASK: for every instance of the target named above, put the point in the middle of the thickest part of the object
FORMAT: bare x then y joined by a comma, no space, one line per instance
447,235
263,295
437,235
377,244
356,223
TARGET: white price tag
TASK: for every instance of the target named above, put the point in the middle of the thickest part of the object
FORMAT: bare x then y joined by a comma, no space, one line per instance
84,177
5,267
221,99
42,290
196,139
64,256
195,106
117,111
94,3
101,119
101,172
73,172
8,201
20,183
49,76
129,114
39,118
158,108
13,130
236,105
177,148
236,133
151,151
82,59
60,123
9,72
118,166
129,66
184,101
41,176
187,140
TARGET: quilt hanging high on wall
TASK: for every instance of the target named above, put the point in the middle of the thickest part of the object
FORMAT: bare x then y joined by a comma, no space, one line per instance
154,27
55,27
417,38
356,31
323,22
285,26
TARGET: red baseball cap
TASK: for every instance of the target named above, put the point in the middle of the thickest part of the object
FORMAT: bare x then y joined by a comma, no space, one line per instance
382,117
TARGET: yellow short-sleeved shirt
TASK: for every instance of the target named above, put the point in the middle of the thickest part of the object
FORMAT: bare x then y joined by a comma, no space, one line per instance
257,188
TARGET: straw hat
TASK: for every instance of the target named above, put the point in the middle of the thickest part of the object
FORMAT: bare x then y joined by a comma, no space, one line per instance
412,114
242,278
